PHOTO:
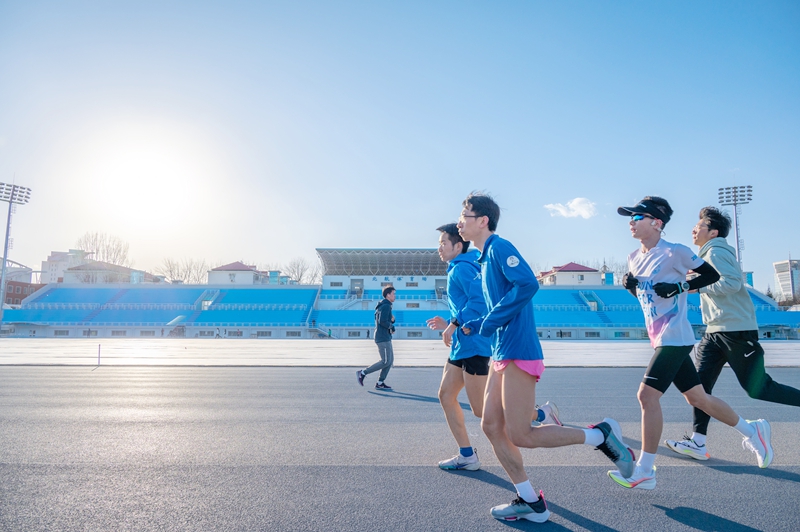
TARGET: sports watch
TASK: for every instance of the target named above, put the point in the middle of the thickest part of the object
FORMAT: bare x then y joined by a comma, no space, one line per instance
684,286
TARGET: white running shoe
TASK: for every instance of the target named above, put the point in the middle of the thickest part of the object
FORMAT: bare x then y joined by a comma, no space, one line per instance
643,480
550,414
462,463
688,447
761,442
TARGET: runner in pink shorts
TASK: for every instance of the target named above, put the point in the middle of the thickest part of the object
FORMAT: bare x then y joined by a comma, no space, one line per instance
509,285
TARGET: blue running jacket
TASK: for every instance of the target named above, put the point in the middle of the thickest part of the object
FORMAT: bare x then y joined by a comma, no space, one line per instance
509,285
465,297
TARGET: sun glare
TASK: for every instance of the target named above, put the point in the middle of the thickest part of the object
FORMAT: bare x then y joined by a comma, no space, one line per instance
147,177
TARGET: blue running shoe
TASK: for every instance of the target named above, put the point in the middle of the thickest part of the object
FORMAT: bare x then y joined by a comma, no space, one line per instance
614,448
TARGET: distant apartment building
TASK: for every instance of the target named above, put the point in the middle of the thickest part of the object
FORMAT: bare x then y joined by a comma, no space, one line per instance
59,262
787,278
19,285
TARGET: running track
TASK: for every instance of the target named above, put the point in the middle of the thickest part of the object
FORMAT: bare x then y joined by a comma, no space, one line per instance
160,446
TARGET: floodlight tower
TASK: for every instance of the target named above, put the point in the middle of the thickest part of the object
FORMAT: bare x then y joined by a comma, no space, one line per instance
13,194
736,196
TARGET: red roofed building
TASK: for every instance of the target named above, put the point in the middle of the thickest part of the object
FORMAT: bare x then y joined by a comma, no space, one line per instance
241,273
571,274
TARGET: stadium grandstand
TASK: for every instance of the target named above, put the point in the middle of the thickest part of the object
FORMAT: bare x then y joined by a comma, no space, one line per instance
342,306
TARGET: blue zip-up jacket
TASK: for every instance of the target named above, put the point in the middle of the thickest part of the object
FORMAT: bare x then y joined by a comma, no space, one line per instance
508,288
465,297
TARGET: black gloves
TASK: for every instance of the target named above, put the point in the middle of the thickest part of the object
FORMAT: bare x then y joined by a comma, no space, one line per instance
667,290
629,281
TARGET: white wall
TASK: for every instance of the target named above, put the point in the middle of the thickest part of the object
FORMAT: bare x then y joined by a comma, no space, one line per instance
573,278
229,278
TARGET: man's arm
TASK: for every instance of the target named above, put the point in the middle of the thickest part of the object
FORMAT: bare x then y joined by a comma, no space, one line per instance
470,285
706,275
385,317
730,273
630,283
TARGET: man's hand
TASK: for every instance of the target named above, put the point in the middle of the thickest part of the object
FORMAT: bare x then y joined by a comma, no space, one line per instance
629,281
447,335
437,323
667,290
472,326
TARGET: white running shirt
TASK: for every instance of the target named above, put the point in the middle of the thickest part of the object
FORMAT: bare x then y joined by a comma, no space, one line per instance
666,319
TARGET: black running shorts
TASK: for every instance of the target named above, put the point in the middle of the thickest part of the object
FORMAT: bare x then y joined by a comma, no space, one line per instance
476,365
672,364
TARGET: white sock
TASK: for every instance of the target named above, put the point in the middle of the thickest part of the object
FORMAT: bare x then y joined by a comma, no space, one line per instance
526,491
646,461
594,437
699,439
745,429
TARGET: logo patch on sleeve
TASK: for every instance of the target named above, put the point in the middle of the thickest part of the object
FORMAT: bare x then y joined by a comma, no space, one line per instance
512,261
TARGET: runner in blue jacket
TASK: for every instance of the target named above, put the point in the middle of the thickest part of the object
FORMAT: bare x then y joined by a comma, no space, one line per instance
509,285
468,363
517,364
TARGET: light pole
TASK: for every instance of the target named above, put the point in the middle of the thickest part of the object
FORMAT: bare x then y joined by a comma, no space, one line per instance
736,196
13,194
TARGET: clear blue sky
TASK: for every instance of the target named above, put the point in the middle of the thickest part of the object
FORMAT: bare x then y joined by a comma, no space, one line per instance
262,130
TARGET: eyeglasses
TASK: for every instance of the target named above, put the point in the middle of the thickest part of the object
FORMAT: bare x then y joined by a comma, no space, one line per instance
700,226
637,217
464,217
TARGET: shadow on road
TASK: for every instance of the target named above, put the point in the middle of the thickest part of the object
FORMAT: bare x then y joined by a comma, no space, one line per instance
700,520
415,397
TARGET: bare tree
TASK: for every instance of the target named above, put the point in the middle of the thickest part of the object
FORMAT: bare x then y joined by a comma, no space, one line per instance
105,248
189,271
315,276
196,271
299,270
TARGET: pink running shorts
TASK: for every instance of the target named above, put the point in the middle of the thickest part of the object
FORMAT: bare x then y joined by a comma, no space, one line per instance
531,367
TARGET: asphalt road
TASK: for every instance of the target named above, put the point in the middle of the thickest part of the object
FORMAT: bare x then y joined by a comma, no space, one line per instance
299,448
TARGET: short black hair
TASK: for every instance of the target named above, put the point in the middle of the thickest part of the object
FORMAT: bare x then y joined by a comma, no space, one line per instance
482,204
716,219
387,290
451,230
662,206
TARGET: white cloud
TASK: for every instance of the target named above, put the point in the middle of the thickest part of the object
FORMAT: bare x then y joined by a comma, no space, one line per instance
576,207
